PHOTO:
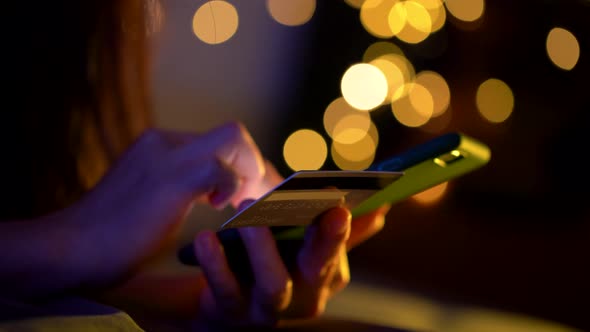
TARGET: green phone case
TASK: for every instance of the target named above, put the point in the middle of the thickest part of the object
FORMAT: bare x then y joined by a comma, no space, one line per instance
434,164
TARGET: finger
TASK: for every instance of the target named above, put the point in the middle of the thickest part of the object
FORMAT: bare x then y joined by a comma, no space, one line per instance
209,178
222,282
341,277
366,226
271,179
234,146
322,244
273,284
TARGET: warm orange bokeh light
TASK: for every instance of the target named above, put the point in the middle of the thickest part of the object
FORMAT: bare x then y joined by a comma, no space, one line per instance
495,100
563,48
375,17
215,22
410,22
359,155
438,88
344,123
466,10
305,149
291,12
414,109
379,49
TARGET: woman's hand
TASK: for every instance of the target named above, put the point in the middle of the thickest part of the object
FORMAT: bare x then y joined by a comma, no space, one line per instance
280,293
139,205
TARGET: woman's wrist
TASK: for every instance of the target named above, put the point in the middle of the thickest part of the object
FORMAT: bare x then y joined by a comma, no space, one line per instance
39,257
66,249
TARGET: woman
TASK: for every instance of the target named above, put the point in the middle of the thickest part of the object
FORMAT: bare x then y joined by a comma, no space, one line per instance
94,192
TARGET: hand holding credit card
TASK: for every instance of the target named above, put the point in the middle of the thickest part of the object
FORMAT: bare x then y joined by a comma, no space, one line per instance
304,195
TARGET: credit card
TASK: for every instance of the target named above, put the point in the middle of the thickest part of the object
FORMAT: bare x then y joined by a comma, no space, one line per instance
304,195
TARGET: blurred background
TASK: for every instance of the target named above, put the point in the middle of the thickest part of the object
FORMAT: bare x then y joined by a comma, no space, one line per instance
338,84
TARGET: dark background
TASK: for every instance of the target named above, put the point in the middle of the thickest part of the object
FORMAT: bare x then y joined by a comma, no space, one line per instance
514,235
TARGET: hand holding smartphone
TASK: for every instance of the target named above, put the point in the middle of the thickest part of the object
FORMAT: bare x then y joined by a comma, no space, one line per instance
304,195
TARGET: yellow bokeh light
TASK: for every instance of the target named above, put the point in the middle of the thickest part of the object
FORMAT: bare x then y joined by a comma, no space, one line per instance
418,16
417,25
358,151
344,123
466,10
436,11
397,18
495,100
291,12
355,3
393,74
438,88
414,109
364,86
348,130
305,149
359,155
351,165
399,89
375,17
379,49
563,48
431,195
421,99
215,22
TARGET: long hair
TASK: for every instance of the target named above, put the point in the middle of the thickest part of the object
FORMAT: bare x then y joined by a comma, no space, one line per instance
77,95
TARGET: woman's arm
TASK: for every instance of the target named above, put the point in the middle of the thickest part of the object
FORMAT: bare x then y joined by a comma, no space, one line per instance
37,258
133,212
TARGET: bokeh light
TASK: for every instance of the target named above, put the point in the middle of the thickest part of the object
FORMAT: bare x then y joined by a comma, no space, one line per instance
355,3
421,99
397,17
364,86
466,10
375,17
436,11
563,48
495,100
215,22
305,149
359,155
393,74
404,66
410,22
381,48
414,109
291,12
438,88
344,123
431,195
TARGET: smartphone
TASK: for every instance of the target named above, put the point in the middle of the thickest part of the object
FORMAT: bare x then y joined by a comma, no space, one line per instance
304,195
